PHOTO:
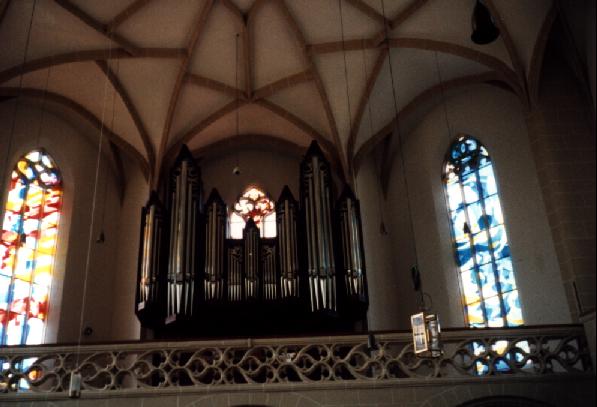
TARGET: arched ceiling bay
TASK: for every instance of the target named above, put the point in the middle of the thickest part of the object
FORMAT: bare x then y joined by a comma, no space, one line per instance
174,71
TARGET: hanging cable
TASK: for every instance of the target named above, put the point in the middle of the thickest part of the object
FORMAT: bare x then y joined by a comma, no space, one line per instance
16,104
93,209
43,106
443,97
346,78
382,224
400,141
236,170
101,237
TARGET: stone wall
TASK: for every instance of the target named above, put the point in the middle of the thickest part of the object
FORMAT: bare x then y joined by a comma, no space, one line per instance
554,392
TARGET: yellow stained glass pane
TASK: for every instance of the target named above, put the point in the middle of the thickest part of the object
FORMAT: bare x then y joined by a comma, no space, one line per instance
50,220
15,197
25,263
47,241
43,268
34,198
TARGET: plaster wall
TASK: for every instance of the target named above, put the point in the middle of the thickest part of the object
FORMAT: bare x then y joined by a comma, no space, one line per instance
125,325
406,392
84,269
495,117
268,170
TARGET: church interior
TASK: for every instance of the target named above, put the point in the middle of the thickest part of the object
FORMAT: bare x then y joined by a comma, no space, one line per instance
219,176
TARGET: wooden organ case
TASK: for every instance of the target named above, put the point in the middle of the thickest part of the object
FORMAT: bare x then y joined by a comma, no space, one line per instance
195,282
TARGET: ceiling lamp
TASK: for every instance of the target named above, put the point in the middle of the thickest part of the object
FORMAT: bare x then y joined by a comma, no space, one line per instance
484,30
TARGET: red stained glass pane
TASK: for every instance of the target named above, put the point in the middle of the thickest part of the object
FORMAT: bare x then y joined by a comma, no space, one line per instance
4,290
255,204
14,329
8,253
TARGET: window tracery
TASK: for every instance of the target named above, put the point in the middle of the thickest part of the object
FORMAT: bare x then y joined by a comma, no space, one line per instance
255,204
27,248
482,251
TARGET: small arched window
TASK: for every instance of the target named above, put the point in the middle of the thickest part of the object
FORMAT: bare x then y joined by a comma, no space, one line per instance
27,248
480,239
253,203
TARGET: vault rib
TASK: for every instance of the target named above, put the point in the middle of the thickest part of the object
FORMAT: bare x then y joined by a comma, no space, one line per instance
200,80
88,55
83,112
310,62
184,64
367,146
127,13
510,46
368,11
133,112
96,25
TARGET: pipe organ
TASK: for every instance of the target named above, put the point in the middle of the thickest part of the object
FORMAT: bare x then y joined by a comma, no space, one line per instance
194,281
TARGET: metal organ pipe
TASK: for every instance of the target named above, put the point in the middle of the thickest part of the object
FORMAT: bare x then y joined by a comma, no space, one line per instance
316,198
185,205
286,219
214,248
352,248
235,264
150,258
251,238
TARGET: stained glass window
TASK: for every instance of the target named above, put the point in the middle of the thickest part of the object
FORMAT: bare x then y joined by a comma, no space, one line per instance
27,248
253,203
481,244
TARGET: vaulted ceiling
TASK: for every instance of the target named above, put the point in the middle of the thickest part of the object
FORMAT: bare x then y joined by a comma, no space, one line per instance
157,73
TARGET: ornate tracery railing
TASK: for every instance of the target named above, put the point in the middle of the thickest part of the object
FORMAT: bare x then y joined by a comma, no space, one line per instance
528,351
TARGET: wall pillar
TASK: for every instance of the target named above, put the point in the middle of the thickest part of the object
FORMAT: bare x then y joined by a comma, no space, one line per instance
562,138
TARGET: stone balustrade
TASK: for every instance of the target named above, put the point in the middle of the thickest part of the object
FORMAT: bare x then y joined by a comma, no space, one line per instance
388,357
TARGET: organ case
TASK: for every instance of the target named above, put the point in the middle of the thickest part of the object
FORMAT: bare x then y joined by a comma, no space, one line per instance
194,281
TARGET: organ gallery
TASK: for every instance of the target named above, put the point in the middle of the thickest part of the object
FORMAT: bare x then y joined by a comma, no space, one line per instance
196,279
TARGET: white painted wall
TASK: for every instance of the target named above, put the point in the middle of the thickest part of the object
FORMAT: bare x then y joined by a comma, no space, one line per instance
269,170
82,265
493,116
496,118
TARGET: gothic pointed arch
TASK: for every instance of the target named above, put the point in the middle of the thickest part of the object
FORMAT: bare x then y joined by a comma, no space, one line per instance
481,246
28,247
253,204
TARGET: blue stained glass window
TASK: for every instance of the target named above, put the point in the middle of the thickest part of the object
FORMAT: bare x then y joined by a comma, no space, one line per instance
481,245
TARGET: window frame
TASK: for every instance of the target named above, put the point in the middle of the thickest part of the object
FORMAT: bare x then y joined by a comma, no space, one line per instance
54,288
261,226
483,229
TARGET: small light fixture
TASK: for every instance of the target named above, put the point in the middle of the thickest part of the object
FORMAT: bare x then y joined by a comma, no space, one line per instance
425,325
426,335
74,388
484,29
101,238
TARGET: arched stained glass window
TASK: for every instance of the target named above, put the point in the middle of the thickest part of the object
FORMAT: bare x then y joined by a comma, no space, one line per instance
27,248
480,239
253,203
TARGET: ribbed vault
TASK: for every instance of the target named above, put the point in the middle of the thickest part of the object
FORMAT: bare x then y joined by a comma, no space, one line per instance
158,73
